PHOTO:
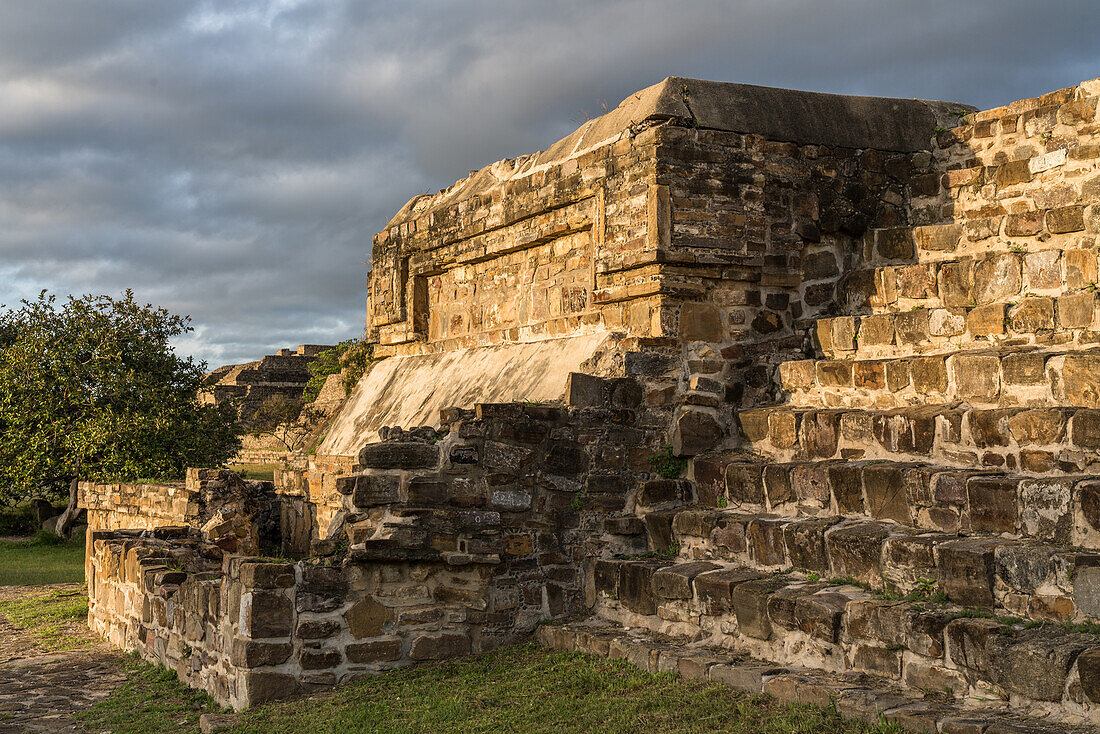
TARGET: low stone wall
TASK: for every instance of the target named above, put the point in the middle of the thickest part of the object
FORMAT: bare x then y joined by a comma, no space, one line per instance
448,542
248,631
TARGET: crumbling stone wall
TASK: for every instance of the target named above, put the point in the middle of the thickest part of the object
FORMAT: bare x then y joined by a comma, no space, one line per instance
452,542
240,516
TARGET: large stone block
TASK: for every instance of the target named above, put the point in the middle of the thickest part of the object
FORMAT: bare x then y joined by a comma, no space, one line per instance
675,582
749,602
928,374
1078,379
370,490
993,503
259,686
439,646
700,321
636,586
1031,315
715,588
956,281
1088,667
1076,311
966,568
1035,663
1045,509
912,327
976,377
855,551
765,541
695,433
267,614
885,489
399,455
986,320
367,618
805,540
745,483
819,434
996,278
373,651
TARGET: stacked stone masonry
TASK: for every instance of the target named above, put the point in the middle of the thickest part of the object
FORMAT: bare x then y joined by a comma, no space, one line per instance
247,385
841,443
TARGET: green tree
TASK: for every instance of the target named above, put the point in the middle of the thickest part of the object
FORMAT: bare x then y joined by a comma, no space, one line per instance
92,389
351,356
288,420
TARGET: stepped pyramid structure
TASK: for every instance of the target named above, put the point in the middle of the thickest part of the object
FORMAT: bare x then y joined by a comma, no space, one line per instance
795,392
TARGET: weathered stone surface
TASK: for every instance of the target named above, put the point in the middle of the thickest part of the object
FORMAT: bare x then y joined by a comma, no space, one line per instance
996,278
636,586
745,483
1035,663
966,569
884,488
805,540
252,654
700,321
373,651
1079,382
855,551
267,614
1088,666
928,374
715,588
261,686
695,433
439,646
986,320
675,582
398,455
1031,314
367,618
992,504
975,377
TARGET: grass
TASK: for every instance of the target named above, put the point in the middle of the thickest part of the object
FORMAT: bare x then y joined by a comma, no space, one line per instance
265,472
152,701
47,617
42,560
519,688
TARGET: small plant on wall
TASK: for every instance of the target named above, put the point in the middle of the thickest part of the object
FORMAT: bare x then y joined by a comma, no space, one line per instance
667,465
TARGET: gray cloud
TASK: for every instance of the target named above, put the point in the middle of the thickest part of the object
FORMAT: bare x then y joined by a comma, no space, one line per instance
231,160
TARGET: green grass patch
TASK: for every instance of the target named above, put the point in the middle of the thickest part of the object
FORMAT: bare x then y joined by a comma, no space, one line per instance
151,701
526,689
263,472
48,617
43,560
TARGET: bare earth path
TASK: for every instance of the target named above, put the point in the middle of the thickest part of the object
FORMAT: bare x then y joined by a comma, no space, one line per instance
40,690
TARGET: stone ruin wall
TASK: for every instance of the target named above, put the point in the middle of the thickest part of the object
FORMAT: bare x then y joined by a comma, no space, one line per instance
791,319
455,543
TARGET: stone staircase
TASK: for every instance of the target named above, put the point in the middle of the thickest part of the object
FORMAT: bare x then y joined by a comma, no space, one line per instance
914,530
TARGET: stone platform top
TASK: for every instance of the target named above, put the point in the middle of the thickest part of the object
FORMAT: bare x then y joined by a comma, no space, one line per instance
788,115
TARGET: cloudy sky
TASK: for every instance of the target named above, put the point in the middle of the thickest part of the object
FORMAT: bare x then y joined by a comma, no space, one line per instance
230,160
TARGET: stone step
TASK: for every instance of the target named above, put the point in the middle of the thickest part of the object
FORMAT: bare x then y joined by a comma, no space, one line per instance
1039,580
792,618
870,697
1037,321
1040,229
1039,440
1062,510
980,279
1005,376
